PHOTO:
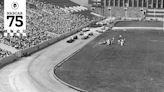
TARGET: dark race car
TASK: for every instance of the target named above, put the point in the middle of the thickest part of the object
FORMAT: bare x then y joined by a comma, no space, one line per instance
90,34
75,37
70,40
85,37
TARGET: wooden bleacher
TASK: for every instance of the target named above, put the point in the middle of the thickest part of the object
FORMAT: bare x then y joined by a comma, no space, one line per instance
155,14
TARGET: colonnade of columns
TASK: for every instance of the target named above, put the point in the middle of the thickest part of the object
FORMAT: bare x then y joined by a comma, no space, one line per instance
136,3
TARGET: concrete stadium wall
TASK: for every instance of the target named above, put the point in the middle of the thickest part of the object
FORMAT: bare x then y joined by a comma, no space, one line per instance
140,27
81,2
8,60
28,51
137,28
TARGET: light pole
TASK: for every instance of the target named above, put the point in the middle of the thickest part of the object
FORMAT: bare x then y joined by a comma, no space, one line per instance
145,11
125,9
142,12
92,8
109,8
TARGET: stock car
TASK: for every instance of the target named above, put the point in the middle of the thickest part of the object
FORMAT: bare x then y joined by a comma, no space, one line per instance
75,37
85,37
81,33
100,31
86,29
90,34
72,39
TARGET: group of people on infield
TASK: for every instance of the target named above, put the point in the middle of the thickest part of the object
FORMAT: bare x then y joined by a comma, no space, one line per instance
120,40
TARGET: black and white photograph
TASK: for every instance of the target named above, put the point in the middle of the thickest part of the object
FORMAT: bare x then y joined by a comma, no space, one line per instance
81,45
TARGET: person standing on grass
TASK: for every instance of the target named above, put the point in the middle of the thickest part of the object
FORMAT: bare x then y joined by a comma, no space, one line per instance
112,41
122,42
120,37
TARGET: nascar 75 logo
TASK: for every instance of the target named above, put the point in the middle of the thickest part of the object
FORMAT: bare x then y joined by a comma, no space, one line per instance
14,15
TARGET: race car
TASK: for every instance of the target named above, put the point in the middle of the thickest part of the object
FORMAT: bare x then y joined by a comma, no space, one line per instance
70,40
81,34
85,37
75,37
90,34
85,29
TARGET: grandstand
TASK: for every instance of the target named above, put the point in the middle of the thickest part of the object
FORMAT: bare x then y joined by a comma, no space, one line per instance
155,14
47,19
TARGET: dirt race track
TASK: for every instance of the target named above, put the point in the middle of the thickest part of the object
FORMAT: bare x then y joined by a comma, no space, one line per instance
35,73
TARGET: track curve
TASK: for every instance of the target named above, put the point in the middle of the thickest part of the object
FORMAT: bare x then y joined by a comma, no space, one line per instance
35,73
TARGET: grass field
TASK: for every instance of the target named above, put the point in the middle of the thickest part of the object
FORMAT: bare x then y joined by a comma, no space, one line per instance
136,67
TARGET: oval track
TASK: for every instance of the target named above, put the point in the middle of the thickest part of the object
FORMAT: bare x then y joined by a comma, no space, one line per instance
35,73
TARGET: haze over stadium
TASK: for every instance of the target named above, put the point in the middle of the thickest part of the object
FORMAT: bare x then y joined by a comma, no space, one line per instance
85,46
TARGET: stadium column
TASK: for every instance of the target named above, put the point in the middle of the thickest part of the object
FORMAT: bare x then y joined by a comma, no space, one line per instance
132,3
128,3
156,3
142,3
118,3
147,4
161,3
152,5
123,3
109,2
114,3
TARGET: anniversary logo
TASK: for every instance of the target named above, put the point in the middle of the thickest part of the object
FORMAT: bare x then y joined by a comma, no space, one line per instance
14,17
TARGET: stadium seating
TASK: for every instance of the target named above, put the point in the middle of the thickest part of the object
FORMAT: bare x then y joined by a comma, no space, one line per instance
4,53
47,19
155,14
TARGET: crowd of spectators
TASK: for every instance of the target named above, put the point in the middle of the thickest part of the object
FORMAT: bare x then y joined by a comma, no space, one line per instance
4,53
44,22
